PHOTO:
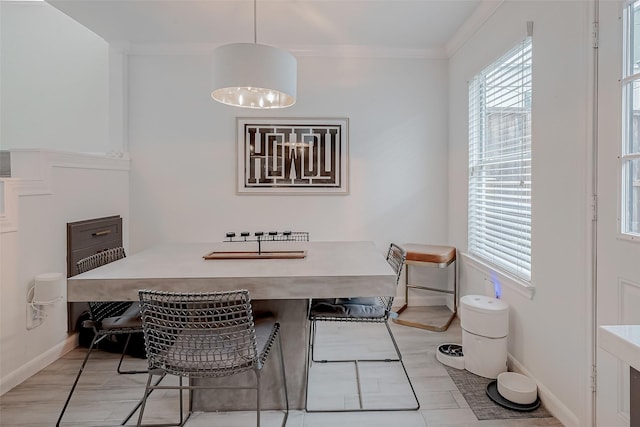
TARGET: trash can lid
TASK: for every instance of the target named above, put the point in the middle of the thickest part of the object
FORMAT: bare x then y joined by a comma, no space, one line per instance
483,303
48,277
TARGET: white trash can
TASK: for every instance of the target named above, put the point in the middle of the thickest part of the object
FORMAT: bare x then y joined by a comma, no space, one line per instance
485,326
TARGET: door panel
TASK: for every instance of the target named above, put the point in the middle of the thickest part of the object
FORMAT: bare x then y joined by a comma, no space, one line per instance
618,259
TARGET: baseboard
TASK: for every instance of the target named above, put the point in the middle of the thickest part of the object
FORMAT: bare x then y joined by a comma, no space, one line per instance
37,364
550,401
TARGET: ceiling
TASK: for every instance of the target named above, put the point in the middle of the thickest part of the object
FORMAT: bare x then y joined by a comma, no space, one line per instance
419,27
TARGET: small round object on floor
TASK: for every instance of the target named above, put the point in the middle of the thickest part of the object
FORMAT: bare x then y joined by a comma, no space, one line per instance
517,388
492,392
450,354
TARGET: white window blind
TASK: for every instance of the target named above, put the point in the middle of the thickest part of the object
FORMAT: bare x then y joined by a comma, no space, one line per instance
500,162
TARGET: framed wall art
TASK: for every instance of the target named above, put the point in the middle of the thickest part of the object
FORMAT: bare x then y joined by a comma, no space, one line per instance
293,155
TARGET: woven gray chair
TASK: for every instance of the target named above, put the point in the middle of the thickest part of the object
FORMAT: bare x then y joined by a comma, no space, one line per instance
107,318
355,310
206,335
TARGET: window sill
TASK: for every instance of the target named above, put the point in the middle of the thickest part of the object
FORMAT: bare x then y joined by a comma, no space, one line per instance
525,289
629,237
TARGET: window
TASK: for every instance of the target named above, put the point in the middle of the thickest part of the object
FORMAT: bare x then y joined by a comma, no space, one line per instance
500,163
630,156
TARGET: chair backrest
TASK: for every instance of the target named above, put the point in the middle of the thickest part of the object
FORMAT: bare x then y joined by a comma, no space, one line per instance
101,310
395,257
101,258
199,334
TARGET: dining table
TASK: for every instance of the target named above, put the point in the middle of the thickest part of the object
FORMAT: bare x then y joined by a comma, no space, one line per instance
282,286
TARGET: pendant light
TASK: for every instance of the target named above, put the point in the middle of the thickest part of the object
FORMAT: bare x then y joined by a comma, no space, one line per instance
253,75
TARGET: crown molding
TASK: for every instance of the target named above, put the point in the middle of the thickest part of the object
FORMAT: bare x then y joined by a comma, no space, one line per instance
337,51
353,51
480,15
478,18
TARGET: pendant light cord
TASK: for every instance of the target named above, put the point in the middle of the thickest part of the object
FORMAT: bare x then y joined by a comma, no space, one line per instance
255,25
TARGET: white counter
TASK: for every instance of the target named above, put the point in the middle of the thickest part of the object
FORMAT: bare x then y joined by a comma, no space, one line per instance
622,341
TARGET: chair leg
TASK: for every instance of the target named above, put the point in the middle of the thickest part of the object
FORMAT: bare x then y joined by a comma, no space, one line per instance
124,350
284,383
144,399
94,341
312,338
432,328
395,344
147,392
182,420
393,340
399,359
312,346
308,366
257,398
135,408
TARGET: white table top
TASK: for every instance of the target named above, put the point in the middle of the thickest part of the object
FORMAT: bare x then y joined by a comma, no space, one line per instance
330,269
623,341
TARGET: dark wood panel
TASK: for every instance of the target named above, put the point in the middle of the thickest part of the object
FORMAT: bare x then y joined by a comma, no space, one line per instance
634,396
99,233
85,238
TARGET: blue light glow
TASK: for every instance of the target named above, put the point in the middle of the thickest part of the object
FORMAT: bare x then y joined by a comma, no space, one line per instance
497,287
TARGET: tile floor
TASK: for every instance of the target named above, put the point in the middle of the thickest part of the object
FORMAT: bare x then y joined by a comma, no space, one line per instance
103,397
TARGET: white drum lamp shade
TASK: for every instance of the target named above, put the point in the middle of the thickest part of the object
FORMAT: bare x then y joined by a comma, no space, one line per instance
253,75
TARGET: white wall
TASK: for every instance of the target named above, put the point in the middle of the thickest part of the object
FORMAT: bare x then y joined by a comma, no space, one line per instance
54,94
182,147
548,333
54,188
54,86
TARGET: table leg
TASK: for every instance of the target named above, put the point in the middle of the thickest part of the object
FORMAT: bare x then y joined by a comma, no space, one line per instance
292,315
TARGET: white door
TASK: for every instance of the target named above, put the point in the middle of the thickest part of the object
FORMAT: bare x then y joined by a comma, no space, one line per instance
618,253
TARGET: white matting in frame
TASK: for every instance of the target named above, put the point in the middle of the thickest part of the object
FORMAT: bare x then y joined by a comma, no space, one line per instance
293,155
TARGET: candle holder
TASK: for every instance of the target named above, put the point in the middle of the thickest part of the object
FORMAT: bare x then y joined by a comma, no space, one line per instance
270,236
